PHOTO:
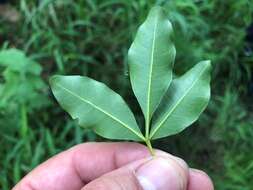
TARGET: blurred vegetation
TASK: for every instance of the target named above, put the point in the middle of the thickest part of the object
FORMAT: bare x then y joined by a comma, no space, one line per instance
91,38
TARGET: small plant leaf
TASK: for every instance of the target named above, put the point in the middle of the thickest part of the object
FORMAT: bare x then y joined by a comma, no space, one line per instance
184,101
22,84
150,58
96,106
17,61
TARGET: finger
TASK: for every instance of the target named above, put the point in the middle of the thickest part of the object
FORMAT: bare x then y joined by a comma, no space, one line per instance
199,180
158,173
73,168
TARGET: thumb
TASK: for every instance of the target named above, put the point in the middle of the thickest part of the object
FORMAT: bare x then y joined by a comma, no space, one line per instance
157,173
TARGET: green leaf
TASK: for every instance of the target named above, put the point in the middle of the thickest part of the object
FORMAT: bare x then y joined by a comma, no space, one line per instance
96,106
151,57
22,82
17,61
184,101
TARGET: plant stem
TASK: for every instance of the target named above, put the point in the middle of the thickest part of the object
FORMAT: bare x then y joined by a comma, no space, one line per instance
147,130
150,148
23,121
147,138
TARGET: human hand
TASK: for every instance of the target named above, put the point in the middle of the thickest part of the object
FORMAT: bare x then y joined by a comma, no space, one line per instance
114,166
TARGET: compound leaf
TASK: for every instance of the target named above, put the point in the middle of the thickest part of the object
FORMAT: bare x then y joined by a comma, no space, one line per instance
184,101
96,106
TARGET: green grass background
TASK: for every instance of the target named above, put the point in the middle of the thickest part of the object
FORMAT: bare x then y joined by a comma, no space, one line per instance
91,37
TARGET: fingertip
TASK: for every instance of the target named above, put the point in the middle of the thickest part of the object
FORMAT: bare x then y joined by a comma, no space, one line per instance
162,173
167,155
199,180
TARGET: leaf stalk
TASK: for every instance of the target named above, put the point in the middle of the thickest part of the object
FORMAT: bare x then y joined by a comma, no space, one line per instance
150,148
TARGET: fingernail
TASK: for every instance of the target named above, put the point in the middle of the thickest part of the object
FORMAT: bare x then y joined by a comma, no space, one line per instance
161,174
163,154
198,171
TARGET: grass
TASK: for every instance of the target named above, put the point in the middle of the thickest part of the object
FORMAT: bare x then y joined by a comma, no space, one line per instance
91,38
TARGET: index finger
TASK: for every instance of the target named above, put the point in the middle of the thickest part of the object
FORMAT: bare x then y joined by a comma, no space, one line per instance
73,168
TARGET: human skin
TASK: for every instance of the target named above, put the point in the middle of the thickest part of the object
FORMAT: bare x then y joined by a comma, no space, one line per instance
114,166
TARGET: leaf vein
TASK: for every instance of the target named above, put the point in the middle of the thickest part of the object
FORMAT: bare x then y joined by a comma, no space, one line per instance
150,77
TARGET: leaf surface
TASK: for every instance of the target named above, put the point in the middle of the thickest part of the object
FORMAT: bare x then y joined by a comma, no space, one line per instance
150,58
184,101
96,106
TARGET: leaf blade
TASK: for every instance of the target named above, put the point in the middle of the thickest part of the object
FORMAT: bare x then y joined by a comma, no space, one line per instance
190,91
84,99
150,58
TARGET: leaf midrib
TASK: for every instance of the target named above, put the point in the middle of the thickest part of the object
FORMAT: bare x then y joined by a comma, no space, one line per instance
150,74
101,110
176,105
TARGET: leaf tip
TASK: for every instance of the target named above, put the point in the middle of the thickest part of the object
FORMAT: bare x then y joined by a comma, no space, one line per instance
207,62
156,10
